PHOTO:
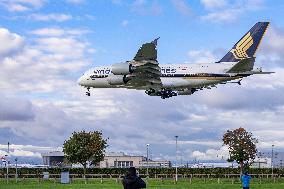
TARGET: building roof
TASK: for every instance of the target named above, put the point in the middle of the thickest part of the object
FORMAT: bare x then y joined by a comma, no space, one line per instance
54,153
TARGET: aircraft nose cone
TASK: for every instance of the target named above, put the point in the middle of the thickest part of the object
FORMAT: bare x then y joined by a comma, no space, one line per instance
80,81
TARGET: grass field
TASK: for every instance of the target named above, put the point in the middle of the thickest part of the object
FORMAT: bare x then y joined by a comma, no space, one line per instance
152,183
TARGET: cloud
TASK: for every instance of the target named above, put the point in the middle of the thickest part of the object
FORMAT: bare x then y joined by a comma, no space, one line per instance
271,52
54,31
26,150
48,32
57,17
56,57
75,1
46,120
146,7
44,67
21,5
12,109
125,23
11,42
116,2
213,4
182,7
196,142
211,154
64,47
201,56
28,147
21,153
224,12
229,15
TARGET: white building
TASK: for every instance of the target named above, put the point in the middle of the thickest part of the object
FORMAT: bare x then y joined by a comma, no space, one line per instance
111,160
261,162
155,164
120,160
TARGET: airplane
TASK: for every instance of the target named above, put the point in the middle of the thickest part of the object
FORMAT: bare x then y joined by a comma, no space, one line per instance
167,80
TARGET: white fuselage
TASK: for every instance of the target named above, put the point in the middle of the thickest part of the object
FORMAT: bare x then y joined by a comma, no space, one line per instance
172,75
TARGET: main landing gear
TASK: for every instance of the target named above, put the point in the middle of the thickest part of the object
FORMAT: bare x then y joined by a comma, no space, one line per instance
150,91
163,93
167,94
88,93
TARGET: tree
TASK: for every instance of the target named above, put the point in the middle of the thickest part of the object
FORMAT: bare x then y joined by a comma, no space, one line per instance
83,147
242,146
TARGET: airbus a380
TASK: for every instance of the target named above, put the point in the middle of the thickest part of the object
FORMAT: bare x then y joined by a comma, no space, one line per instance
167,80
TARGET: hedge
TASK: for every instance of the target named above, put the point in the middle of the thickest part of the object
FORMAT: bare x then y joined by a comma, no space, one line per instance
218,172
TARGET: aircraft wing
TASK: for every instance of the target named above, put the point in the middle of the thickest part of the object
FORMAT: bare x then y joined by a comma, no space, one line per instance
147,51
146,70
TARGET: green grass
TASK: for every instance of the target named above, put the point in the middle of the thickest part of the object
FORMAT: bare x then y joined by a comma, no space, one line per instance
152,183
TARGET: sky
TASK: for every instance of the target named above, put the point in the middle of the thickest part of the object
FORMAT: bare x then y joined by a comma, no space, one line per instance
47,45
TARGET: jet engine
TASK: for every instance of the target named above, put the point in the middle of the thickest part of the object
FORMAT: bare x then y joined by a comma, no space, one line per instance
117,79
122,68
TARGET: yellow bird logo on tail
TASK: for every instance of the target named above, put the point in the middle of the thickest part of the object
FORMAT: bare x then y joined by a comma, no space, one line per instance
242,46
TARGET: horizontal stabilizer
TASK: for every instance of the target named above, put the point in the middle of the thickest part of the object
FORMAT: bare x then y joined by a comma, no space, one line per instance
242,66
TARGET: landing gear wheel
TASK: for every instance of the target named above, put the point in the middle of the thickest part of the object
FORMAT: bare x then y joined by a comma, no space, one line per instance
150,91
174,94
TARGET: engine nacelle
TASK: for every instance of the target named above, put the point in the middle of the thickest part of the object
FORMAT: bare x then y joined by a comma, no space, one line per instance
117,79
122,68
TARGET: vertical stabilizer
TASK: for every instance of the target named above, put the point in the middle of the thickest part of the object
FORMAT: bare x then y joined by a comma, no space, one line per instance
246,47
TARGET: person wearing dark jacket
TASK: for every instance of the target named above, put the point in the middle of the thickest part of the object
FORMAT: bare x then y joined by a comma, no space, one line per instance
132,181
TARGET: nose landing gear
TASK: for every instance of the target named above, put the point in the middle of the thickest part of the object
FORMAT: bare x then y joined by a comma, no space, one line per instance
88,93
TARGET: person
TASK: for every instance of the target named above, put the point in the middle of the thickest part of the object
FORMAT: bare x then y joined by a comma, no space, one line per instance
132,181
246,180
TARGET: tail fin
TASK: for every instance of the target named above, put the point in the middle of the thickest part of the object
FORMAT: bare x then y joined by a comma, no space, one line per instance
248,44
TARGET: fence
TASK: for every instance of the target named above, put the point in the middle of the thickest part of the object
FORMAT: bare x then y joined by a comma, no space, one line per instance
156,176
159,179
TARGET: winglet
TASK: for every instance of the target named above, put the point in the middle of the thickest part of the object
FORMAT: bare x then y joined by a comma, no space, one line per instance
155,41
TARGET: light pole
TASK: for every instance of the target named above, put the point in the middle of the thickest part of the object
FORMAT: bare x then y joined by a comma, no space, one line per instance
16,160
272,156
7,162
176,159
258,155
147,147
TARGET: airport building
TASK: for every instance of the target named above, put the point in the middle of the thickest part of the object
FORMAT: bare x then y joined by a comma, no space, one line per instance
53,159
276,160
111,160
261,162
120,160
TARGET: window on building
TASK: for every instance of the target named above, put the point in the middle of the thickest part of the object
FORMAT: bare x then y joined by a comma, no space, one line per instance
123,164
